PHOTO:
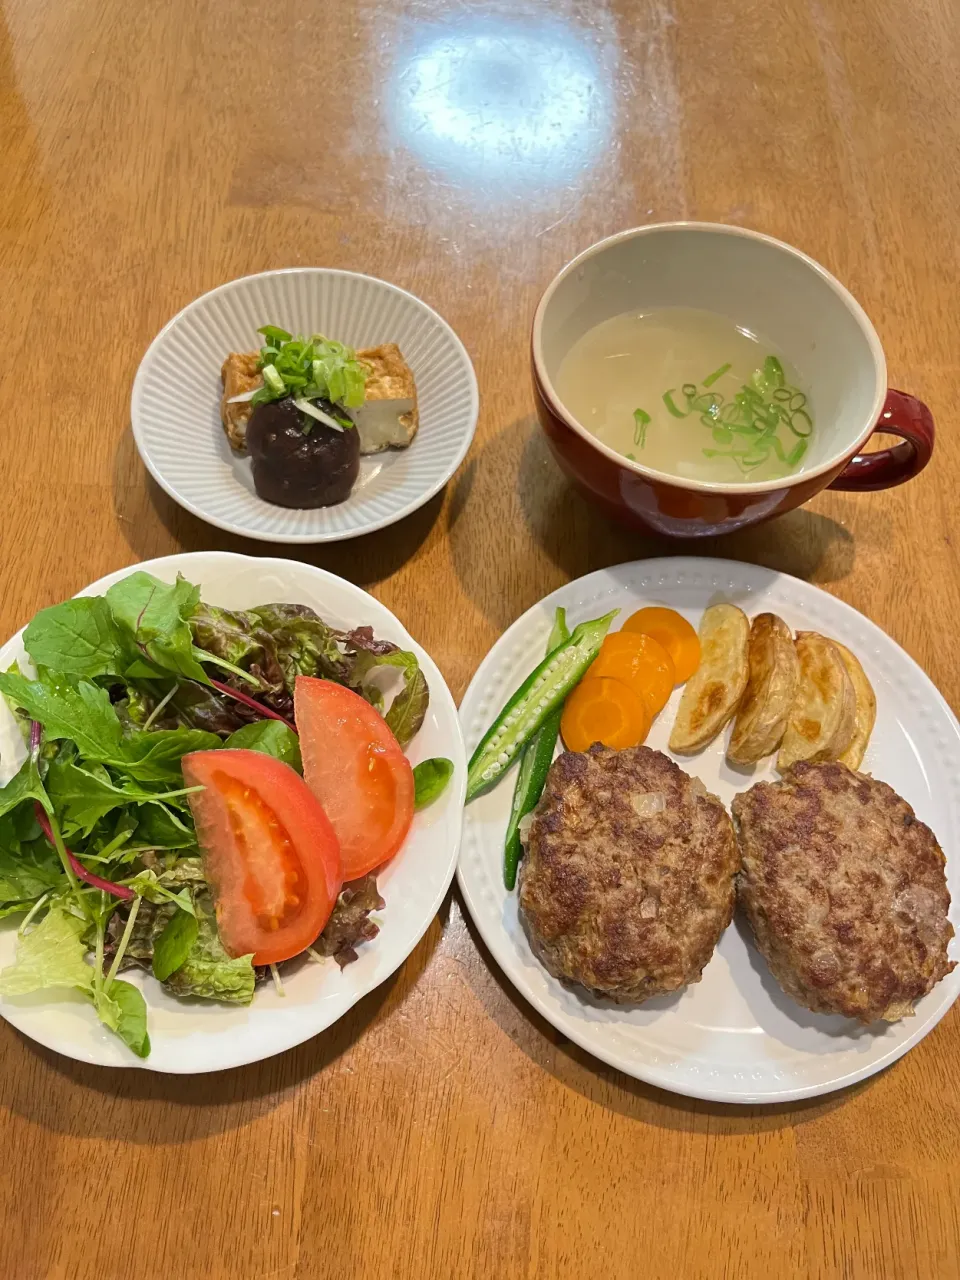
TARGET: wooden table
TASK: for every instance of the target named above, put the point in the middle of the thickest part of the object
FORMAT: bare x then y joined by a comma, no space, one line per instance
464,149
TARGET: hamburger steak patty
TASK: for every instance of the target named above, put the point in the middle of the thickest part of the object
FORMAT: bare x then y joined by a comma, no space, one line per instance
628,879
845,891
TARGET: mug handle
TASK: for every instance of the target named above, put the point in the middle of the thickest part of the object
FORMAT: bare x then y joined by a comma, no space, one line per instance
905,416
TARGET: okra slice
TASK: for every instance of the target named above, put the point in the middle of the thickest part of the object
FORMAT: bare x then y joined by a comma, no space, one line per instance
542,691
535,762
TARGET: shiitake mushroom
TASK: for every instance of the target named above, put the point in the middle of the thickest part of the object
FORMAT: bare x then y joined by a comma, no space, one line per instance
299,462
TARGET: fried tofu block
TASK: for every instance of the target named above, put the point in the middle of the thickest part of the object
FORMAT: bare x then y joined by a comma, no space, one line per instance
238,375
388,417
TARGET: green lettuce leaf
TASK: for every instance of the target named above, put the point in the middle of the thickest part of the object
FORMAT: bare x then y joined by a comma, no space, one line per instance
185,871
53,954
24,785
228,634
147,884
82,795
200,707
205,971
208,973
155,756
406,712
50,955
80,712
279,642
430,779
192,706
273,738
27,872
29,864
72,709
161,828
122,1008
175,943
14,909
304,644
79,637
155,616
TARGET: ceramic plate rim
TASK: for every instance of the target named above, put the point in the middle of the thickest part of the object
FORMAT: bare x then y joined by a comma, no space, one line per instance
298,539
438,686
498,941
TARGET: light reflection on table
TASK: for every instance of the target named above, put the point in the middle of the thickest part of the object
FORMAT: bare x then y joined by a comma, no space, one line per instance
521,103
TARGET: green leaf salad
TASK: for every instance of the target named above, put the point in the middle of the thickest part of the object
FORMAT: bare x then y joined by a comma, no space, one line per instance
98,849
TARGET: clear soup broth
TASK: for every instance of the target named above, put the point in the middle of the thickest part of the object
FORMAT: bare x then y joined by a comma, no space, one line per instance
688,392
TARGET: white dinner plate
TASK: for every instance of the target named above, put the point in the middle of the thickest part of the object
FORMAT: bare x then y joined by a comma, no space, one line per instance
175,409
194,1035
734,1036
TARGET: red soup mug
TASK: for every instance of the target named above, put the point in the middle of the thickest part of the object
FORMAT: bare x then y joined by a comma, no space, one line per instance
771,290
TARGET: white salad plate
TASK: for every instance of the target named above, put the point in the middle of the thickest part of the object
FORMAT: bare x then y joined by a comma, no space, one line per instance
175,409
734,1036
193,1035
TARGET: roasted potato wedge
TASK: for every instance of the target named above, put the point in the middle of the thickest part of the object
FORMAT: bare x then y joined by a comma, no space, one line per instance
713,692
824,711
866,709
771,688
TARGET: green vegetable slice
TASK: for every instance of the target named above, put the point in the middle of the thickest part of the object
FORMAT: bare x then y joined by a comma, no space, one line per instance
310,369
272,738
155,616
207,972
711,378
430,779
174,943
641,420
122,1008
79,637
668,400
52,954
80,712
534,767
541,693
24,785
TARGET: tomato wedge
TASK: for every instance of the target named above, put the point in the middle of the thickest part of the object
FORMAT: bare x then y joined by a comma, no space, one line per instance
354,766
270,854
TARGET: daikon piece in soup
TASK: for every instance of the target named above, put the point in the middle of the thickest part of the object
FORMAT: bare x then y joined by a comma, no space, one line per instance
687,392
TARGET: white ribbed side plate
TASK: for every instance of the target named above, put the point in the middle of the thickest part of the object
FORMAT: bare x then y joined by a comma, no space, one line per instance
175,406
734,1036
200,1035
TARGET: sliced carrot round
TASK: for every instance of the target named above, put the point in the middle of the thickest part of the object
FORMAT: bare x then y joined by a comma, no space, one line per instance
671,630
641,663
604,710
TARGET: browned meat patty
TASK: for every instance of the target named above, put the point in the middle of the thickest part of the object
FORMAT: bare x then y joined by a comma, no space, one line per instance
845,891
628,879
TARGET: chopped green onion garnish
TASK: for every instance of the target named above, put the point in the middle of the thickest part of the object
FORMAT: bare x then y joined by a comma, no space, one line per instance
273,380
311,369
716,375
671,407
275,335
796,453
641,421
756,413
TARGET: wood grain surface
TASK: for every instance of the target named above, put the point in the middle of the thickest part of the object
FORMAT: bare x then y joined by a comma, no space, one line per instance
464,149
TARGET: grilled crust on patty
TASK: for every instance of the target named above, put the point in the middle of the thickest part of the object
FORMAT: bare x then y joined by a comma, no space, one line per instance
845,890
624,900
